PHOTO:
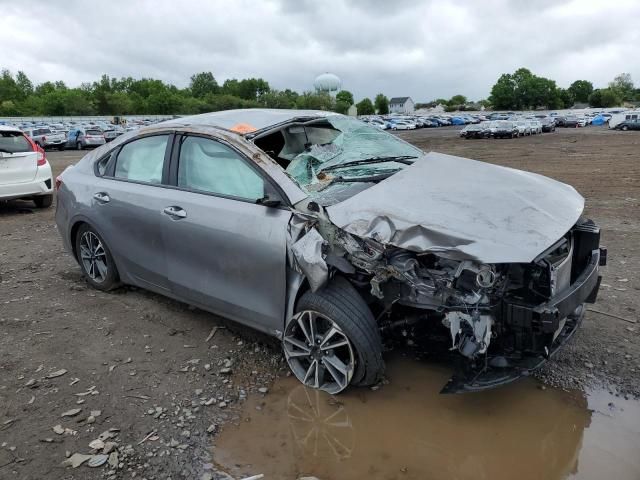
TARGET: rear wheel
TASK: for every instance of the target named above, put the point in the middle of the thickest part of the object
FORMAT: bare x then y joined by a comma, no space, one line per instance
43,201
625,128
333,340
95,259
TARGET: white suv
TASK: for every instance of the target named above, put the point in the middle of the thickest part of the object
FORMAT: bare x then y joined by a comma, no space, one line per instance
24,170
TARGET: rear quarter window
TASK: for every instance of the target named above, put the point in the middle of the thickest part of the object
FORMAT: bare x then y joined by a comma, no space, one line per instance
14,142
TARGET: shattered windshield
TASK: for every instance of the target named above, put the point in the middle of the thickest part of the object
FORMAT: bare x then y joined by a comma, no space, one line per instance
341,147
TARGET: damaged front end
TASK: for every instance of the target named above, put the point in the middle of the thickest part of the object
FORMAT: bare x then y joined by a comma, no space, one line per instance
503,320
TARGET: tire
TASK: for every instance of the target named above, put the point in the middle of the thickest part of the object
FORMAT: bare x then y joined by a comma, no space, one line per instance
43,201
78,146
340,303
108,280
624,128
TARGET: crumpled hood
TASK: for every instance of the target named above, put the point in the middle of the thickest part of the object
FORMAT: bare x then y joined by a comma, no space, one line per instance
463,209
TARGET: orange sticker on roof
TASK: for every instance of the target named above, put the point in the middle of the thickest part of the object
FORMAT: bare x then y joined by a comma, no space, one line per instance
243,128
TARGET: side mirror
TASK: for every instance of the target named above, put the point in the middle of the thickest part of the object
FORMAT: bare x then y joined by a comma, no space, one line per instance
268,201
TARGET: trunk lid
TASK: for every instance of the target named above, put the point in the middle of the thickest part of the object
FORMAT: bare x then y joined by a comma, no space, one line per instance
463,209
18,167
18,161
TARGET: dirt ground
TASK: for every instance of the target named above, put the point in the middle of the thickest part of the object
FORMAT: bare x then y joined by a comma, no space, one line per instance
145,364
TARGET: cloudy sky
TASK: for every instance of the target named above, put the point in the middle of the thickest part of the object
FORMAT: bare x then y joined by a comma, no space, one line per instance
424,49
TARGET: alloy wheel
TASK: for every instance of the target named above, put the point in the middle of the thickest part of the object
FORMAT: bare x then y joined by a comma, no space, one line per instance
93,257
318,352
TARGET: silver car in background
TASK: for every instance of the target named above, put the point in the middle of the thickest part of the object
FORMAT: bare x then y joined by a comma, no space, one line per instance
524,128
45,137
325,232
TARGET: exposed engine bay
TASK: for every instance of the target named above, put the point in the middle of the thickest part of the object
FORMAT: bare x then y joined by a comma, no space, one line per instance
491,312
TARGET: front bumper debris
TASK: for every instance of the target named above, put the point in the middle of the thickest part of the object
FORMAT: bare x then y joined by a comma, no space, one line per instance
560,316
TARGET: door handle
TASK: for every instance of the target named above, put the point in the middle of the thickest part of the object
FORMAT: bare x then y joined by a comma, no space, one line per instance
175,212
102,197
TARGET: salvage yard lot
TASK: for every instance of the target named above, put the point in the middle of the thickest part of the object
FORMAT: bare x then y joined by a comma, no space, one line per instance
138,356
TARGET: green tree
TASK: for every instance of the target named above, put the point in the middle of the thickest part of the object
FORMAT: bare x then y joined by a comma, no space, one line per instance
24,85
605,97
457,100
346,97
564,98
503,93
622,84
252,88
365,107
9,108
279,99
119,103
315,101
202,84
342,107
381,104
580,90
522,90
8,87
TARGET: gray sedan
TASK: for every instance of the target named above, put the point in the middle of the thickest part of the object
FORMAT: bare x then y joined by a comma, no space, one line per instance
326,232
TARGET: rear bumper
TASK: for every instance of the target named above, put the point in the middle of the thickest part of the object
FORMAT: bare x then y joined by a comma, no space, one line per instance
41,184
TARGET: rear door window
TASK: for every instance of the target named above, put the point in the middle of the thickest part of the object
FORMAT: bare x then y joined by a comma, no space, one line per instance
142,160
14,142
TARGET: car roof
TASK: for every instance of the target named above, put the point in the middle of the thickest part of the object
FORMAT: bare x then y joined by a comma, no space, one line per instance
247,120
9,128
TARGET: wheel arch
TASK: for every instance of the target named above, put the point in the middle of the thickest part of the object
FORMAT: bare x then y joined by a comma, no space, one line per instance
297,285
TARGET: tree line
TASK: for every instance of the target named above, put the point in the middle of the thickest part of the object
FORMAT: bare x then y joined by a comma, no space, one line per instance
112,96
523,90
520,90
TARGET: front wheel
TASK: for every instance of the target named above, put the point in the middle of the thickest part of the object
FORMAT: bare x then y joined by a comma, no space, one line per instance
625,128
95,259
333,339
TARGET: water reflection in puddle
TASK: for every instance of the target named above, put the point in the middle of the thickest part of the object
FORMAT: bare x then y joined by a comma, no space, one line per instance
407,430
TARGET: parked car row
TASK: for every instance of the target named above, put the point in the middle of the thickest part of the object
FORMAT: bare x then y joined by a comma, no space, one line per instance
75,134
411,122
508,128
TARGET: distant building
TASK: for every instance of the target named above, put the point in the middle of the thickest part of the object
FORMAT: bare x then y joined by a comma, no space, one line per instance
401,105
353,111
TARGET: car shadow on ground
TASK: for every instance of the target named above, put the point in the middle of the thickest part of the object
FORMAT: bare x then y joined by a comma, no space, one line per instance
16,207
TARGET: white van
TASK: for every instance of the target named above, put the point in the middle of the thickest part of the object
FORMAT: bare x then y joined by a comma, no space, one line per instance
617,118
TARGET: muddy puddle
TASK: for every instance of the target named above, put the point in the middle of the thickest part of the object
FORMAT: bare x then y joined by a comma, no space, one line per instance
407,430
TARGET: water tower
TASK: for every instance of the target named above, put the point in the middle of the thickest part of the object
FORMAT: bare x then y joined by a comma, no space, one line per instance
327,83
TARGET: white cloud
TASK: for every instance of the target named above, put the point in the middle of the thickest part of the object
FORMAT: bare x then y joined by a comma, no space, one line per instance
425,49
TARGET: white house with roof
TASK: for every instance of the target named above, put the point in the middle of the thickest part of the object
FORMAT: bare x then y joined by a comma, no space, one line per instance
401,105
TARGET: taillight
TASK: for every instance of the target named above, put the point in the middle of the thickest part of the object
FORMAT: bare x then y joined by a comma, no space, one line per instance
42,159
58,183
